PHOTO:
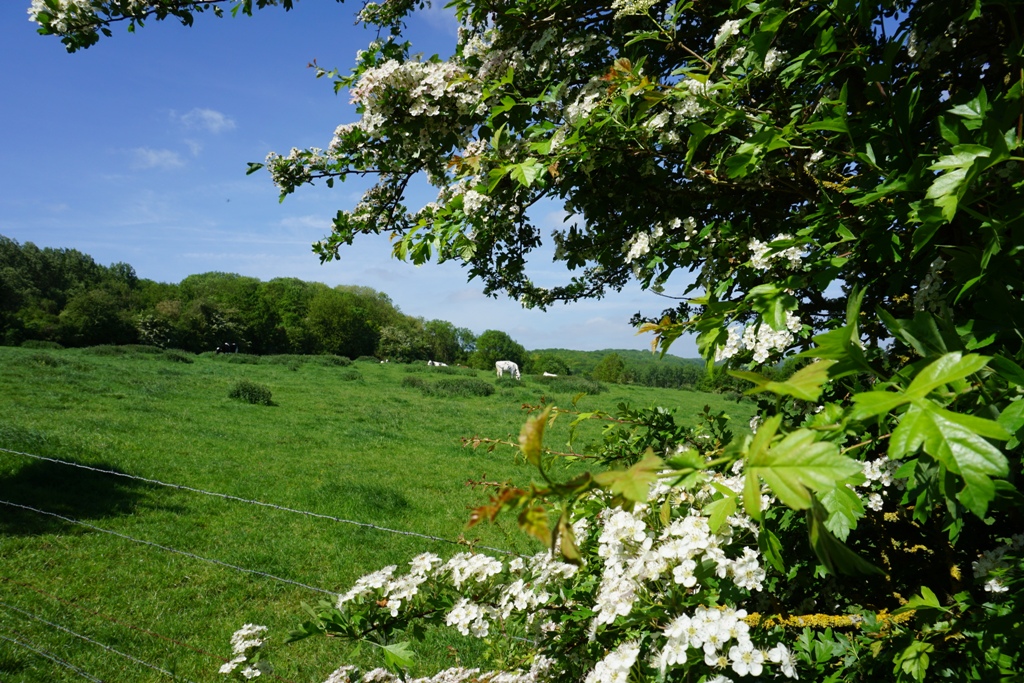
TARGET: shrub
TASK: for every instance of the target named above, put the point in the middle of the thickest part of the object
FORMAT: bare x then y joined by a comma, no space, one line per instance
350,375
40,344
450,388
240,358
178,356
251,392
572,385
45,359
414,382
460,388
107,350
143,348
332,361
367,359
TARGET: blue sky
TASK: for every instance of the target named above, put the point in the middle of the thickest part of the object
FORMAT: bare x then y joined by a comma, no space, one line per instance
135,150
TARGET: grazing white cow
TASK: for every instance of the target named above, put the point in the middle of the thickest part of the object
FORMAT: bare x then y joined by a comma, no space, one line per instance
503,366
550,374
437,363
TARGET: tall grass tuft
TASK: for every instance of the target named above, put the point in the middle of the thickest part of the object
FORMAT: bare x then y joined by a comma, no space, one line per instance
251,392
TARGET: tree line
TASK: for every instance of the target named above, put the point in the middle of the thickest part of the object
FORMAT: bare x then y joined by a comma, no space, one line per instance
64,296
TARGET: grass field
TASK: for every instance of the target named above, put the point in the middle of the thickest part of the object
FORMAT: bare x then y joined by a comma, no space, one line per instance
362,442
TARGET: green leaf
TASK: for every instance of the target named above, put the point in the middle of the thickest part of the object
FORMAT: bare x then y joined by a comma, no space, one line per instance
805,383
836,557
1008,370
635,483
925,601
844,509
717,511
527,173
771,548
957,447
914,659
531,438
798,465
949,368
398,655
868,404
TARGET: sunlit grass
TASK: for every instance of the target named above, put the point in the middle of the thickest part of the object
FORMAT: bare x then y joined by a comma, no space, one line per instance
345,441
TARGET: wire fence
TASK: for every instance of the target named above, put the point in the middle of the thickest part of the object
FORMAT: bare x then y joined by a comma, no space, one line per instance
82,673
169,549
87,639
250,501
52,657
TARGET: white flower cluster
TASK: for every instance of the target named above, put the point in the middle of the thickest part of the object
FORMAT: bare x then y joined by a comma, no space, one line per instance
629,8
710,631
929,292
760,339
636,561
614,668
762,255
727,31
524,592
992,560
772,59
683,103
879,475
245,642
349,674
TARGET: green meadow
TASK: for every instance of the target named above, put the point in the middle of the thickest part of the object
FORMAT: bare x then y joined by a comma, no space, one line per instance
137,570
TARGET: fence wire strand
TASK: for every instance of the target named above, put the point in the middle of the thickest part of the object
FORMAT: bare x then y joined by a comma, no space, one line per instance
53,658
228,496
112,620
167,548
129,657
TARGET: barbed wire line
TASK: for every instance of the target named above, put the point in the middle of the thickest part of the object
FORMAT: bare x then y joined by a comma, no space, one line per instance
53,658
168,549
87,639
112,620
250,501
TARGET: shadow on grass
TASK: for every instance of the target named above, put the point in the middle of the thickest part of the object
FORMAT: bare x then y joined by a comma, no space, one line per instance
64,490
371,501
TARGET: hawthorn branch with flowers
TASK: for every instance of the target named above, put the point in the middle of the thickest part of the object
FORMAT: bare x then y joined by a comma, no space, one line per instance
841,183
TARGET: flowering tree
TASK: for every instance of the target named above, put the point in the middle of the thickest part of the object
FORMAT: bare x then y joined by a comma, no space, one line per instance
841,181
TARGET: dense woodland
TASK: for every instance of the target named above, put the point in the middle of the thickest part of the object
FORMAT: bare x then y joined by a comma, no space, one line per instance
64,296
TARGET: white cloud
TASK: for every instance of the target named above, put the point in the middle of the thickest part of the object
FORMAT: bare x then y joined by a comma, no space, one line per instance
440,17
144,157
208,119
194,146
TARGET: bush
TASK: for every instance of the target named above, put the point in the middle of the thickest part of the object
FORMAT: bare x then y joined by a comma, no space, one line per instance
572,385
367,359
332,361
178,356
461,388
414,382
142,348
450,388
350,375
40,344
107,350
239,358
251,392
45,359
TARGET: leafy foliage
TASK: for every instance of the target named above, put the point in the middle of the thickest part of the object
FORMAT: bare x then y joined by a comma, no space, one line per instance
843,182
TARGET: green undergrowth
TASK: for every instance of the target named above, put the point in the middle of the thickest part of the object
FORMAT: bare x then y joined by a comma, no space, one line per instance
364,445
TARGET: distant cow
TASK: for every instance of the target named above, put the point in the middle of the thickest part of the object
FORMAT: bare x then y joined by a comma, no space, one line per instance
227,347
437,363
503,366
550,374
